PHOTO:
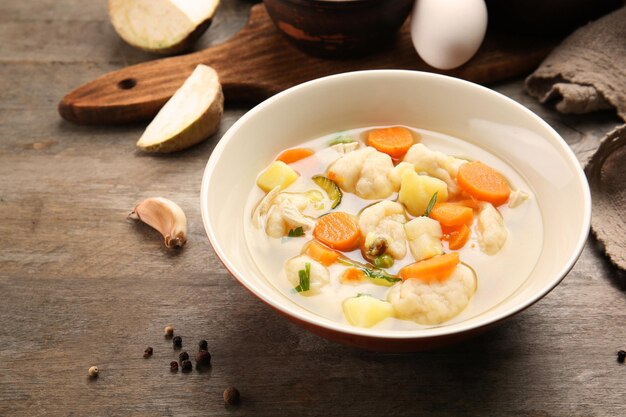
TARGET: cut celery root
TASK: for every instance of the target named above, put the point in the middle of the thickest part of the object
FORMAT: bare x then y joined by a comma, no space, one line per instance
189,117
161,26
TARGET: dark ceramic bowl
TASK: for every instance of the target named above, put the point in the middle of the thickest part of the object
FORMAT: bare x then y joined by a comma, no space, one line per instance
339,28
541,17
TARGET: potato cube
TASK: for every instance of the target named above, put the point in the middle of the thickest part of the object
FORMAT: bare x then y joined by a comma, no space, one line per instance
276,174
424,235
417,190
366,311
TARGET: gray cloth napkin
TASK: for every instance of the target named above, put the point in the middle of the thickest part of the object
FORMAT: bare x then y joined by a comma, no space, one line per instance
587,72
607,180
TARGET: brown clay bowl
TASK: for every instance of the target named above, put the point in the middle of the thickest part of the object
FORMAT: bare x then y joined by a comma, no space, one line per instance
339,28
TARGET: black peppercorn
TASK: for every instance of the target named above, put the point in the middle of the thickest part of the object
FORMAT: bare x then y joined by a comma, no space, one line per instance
203,359
621,356
186,365
148,352
203,345
231,396
173,366
183,356
178,342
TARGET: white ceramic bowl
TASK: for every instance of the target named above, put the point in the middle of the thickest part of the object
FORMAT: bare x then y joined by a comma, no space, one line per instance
424,100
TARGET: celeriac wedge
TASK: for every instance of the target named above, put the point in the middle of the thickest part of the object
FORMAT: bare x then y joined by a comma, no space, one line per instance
189,117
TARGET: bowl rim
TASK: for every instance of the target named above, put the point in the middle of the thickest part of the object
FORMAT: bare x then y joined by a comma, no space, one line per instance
443,330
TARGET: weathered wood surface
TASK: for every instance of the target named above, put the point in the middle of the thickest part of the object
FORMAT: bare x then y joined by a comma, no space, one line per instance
81,285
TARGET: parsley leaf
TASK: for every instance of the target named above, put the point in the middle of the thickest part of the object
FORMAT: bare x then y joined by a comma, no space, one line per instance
297,232
377,273
370,272
431,204
305,278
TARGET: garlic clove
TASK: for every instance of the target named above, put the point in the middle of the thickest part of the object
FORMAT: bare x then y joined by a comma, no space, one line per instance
165,216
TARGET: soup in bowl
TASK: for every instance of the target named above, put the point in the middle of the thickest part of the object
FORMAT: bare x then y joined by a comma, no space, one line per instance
395,210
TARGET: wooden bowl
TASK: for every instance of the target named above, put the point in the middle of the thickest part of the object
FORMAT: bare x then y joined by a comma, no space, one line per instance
338,28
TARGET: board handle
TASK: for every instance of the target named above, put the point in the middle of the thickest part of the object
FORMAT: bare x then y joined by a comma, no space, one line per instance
129,94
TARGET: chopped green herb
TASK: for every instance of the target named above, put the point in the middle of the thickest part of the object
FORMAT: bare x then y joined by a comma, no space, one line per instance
340,139
376,276
362,294
297,232
377,273
431,204
305,278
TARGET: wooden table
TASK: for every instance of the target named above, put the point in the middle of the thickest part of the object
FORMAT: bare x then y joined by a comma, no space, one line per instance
83,286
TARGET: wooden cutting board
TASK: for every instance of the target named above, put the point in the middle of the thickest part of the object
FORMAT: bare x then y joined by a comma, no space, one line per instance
258,62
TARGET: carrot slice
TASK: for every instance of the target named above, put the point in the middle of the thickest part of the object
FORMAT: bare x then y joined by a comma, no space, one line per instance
483,183
451,214
468,202
338,230
321,253
394,141
458,237
352,276
434,269
292,155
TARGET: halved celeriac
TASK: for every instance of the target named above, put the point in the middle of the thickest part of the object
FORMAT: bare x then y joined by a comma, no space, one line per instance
161,26
189,117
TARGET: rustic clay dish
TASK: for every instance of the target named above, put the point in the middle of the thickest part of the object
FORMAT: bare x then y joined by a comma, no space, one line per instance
429,101
338,28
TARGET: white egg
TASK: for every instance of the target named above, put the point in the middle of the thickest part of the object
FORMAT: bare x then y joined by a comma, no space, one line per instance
447,33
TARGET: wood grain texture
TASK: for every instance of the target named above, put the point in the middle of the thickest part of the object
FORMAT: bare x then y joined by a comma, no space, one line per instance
81,285
258,62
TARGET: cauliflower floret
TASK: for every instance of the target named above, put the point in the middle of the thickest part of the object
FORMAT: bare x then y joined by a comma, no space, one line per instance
344,148
363,172
436,164
264,206
433,302
283,211
385,220
318,274
424,235
492,233
517,197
